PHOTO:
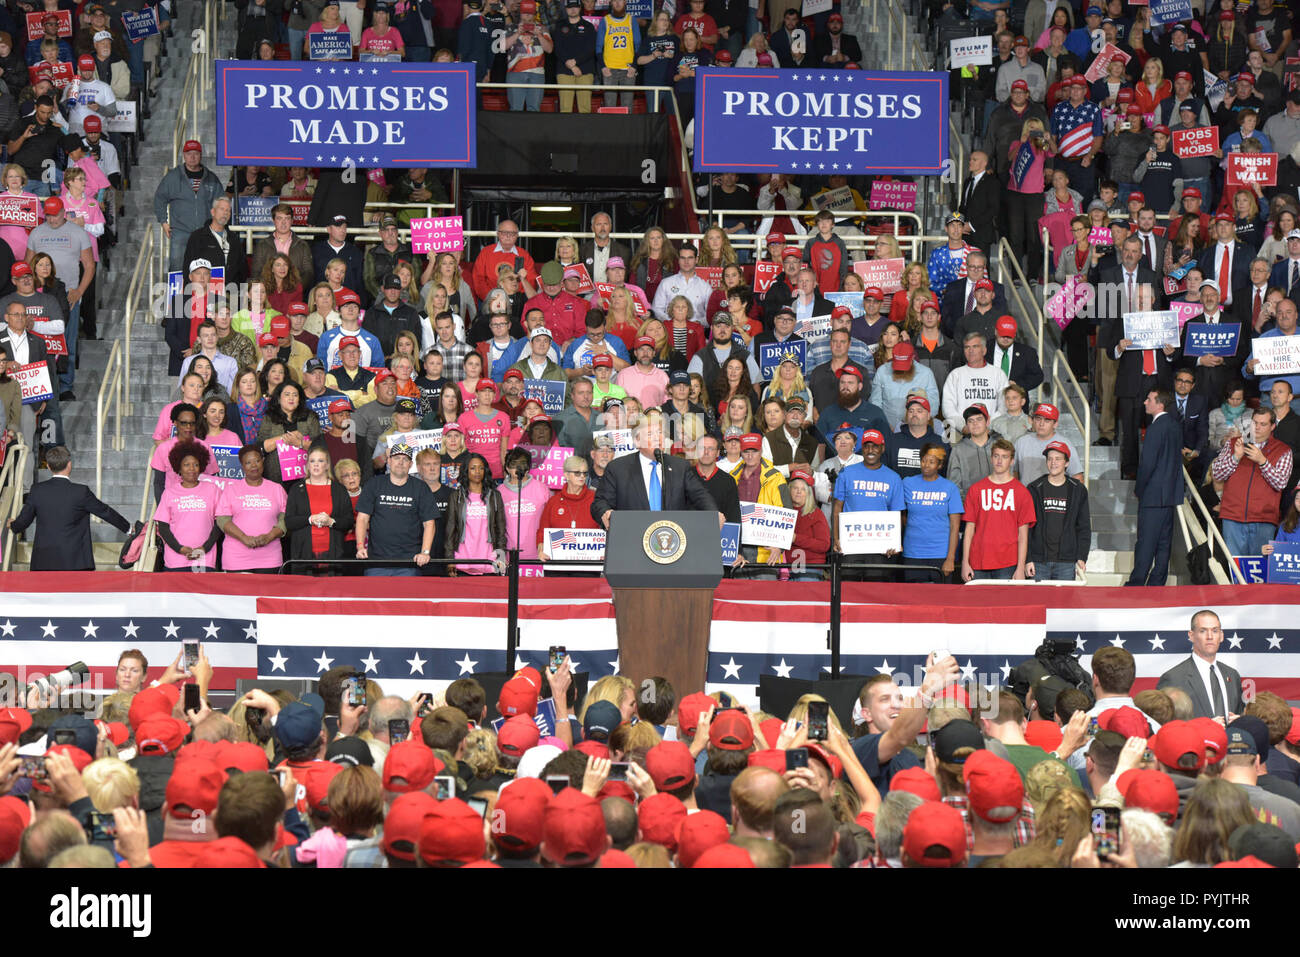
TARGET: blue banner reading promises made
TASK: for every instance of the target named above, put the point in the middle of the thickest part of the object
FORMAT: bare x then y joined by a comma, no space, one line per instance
820,121
345,114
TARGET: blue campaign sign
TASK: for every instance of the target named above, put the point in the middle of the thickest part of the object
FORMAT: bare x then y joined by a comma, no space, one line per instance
372,115
820,122
329,46
228,466
730,543
772,354
852,299
176,280
641,9
1284,564
141,24
321,405
549,393
1253,568
1212,338
544,719
255,210
1170,11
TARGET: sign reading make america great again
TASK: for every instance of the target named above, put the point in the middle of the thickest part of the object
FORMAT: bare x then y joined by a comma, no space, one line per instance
340,114
820,122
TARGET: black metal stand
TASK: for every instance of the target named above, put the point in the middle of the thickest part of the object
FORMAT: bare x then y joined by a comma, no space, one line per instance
833,636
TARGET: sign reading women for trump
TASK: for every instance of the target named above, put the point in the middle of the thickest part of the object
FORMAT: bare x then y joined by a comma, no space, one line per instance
820,122
336,115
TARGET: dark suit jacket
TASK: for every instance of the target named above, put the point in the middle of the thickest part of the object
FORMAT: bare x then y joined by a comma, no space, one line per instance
1281,277
1128,381
1195,422
849,46
1159,242
1212,381
622,487
1240,274
1160,468
1184,675
587,250
1025,368
953,305
982,206
62,510
35,351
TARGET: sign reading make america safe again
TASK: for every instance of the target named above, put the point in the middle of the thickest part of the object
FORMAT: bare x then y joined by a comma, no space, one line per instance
821,122
339,114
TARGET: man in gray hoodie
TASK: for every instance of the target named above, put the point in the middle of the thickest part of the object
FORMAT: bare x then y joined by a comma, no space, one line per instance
183,200
970,456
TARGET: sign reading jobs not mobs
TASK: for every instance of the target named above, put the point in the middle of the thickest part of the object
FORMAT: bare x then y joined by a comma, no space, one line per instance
820,121
336,115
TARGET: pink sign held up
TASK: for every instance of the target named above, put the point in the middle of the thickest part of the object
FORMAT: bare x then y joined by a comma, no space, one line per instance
441,234
293,461
889,195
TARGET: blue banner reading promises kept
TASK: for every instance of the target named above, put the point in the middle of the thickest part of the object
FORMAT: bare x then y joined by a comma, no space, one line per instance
820,121
347,114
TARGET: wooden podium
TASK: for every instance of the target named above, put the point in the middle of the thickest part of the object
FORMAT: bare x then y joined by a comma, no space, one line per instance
662,568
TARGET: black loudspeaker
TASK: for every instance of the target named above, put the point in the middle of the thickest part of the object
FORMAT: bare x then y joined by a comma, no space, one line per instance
493,680
777,696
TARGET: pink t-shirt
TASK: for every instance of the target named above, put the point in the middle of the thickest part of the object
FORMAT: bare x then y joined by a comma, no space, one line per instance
164,429
254,510
535,495
476,543
390,42
225,438
485,437
159,461
191,513
650,389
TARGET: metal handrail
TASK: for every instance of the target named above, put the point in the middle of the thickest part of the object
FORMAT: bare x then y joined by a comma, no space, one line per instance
1210,530
12,473
108,401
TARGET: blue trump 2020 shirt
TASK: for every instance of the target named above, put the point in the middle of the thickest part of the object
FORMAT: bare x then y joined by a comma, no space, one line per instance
869,490
928,506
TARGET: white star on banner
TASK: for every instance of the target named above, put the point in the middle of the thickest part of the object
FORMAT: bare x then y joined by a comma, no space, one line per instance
613,666
346,71
319,157
968,670
8,628
417,663
211,629
574,667
731,669
821,165
1117,642
172,629
334,159
332,71
129,629
374,71
1157,643
807,165
89,630
885,668
822,78
48,629
277,661
520,664
1079,642
783,670
835,78
319,69
323,663
371,663
1234,641
466,665
1275,642
250,631
1005,668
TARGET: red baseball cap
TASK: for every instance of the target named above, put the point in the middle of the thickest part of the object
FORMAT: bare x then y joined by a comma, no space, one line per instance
573,828
92,124
873,292
751,442
1192,191
152,701
1293,736
660,815
903,355
1183,75
689,710
402,823
724,855
80,760
1127,721
15,816
935,836
931,303
1215,737
1226,15
1079,80
1137,195
85,63
1149,790
410,766
773,758
916,781
773,238
317,784
873,435
297,309
280,326
1123,96
993,786
345,341
1045,734
19,716
850,369
1179,744
517,818
670,765
722,56
1056,445
346,296
192,146
840,312
699,832
791,251
1218,217
732,731
1047,411
1005,326
833,764
268,339
52,206
513,373
195,785
644,341
243,755
603,360
518,695
803,474
160,733
451,834
517,735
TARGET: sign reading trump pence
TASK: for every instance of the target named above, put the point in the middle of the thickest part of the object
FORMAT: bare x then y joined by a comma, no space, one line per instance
341,114
870,533
820,122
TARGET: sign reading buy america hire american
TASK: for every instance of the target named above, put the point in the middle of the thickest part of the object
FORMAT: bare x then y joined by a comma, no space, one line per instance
338,114
820,121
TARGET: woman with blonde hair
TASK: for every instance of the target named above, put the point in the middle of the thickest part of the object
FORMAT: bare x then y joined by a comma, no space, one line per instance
655,258
914,278
1061,823
788,383
1213,811
621,319
799,713
323,315
444,268
15,184
436,301
616,689
566,251
1154,87
628,737
886,247
481,752
715,249
910,327
111,783
757,45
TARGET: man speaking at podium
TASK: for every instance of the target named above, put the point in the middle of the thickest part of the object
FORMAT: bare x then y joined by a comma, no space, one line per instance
650,480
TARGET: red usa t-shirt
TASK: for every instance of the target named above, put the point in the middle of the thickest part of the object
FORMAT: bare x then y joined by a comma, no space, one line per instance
998,511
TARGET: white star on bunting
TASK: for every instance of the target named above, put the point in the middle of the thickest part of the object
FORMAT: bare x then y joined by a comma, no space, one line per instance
1275,642
1117,642
250,631
417,663
323,663
885,668
466,665
48,629
211,629
731,669
8,628
277,661
371,663
1235,641
783,670
89,630
129,629
1157,643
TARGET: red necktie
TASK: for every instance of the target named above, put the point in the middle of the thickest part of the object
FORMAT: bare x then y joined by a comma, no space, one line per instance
1148,362
1254,310
1146,245
1225,287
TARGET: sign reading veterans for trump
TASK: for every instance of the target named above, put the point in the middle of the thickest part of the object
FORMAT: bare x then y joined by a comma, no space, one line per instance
1151,330
575,544
1212,338
820,122
1276,355
336,115
870,533
768,526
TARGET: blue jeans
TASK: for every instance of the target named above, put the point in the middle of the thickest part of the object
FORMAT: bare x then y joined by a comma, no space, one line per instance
296,39
392,572
70,334
419,54
998,574
39,187
1053,571
1247,538
530,100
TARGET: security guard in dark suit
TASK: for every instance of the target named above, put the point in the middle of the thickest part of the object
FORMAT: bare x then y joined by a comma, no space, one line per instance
61,509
